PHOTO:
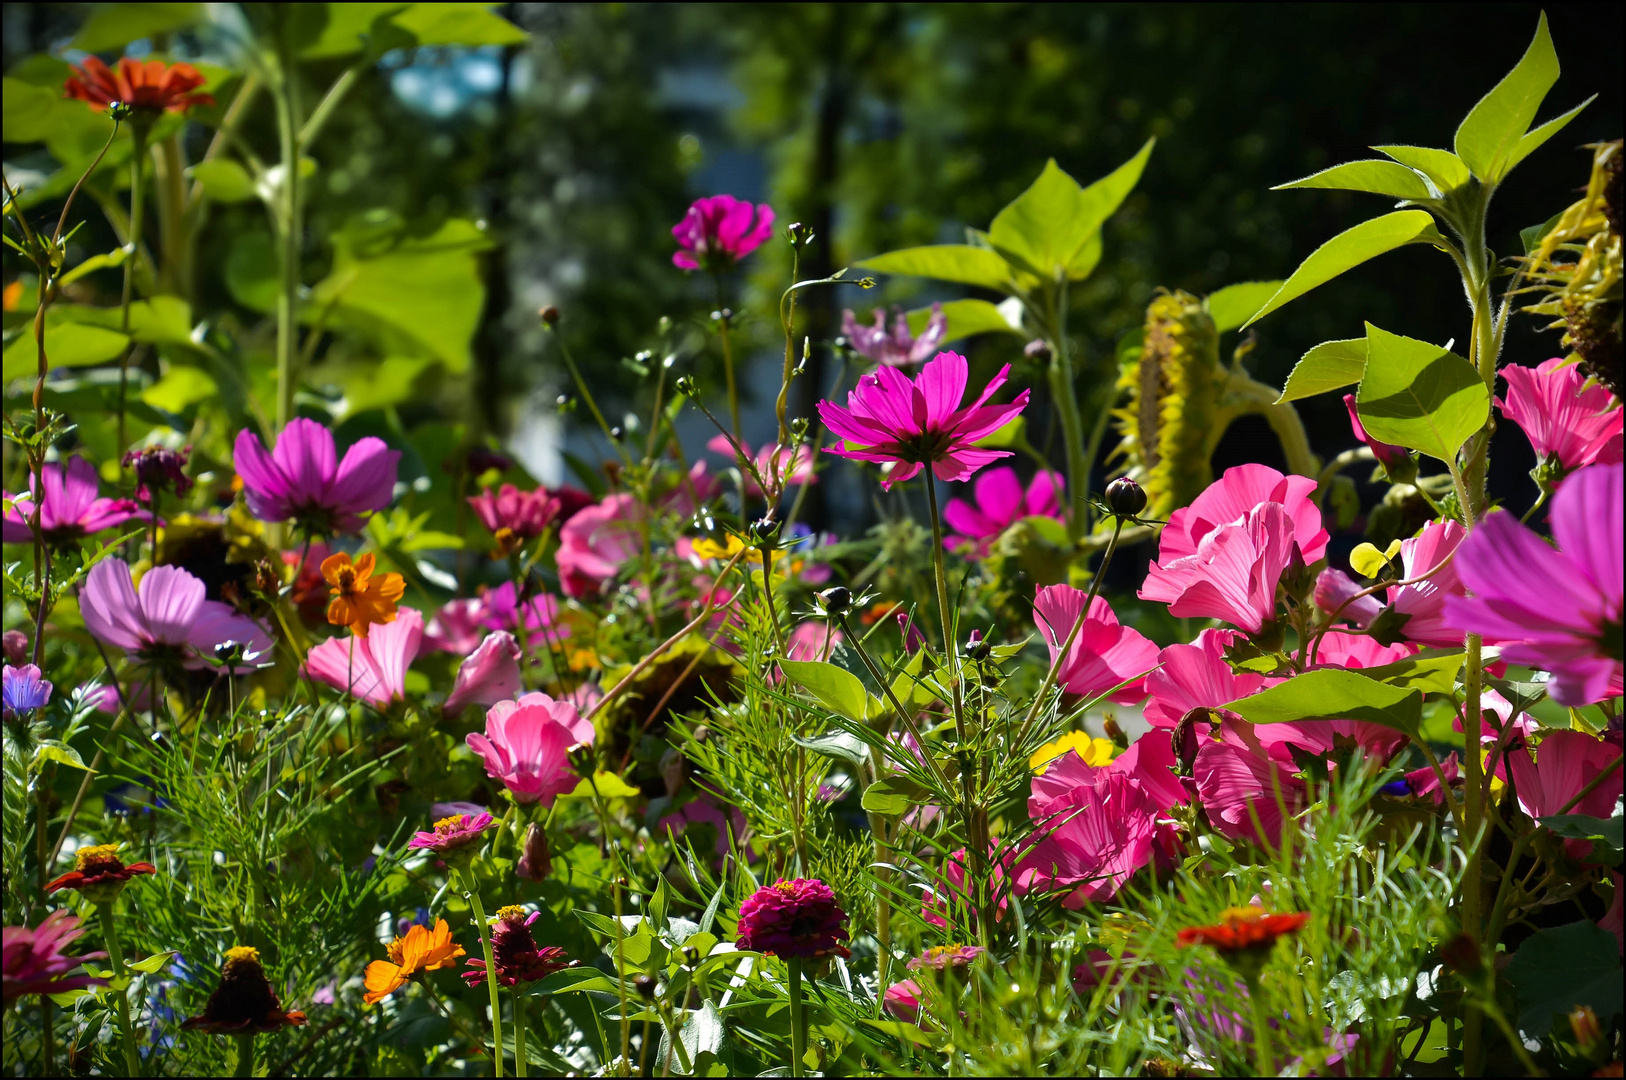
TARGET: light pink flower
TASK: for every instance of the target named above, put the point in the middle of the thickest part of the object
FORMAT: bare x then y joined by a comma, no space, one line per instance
776,464
527,746
458,627
902,1001
896,347
303,479
596,542
1230,498
1103,654
1234,571
1338,649
953,888
169,619
1094,840
1232,780
717,232
489,675
1388,454
69,508
999,503
372,668
1557,610
36,959
812,639
1565,423
1196,676
1565,762
890,418
1524,725
1338,595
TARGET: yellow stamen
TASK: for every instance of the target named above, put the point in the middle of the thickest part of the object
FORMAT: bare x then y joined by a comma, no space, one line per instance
241,953
447,824
96,854
512,913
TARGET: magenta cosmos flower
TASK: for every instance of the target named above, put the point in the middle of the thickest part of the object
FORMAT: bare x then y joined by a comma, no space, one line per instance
1091,840
373,668
69,507
1103,654
797,919
1239,783
304,480
35,961
527,745
1229,499
718,231
1196,676
515,515
1557,610
908,424
596,542
998,503
1566,762
489,675
896,347
1232,574
951,895
168,620
1565,424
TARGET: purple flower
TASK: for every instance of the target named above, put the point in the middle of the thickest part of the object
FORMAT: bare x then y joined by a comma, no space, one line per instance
303,479
515,951
895,347
25,691
158,468
999,502
16,647
793,919
168,620
1557,610
35,962
69,507
717,232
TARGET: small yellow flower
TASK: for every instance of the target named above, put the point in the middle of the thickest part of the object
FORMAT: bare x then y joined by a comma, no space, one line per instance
1092,750
707,548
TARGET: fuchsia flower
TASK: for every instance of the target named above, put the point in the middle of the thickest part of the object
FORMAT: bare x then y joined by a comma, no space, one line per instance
35,961
952,887
1103,654
373,668
1338,649
1093,838
1232,574
999,503
1388,454
302,479
797,919
1565,762
717,232
812,639
500,611
24,690
1565,424
69,507
1229,499
527,745
1196,676
1557,610
169,620
902,1001
896,347
596,541
771,460
907,423
515,952
458,627
513,515
730,827
454,834
489,675
1235,783
943,957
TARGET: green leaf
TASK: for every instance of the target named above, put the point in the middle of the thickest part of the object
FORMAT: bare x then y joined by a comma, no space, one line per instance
1531,238
346,24
1443,168
1536,136
67,344
1349,249
840,745
153,964
162,320
946,262
965,318
112,259
1234,305
1377,177
576,981
1419,395
1009,433
659,903
1334,694
1431,672
1328,366
251,272
603,785
180,387
59,752
1605,832
114,26
893,796
224,180
1490,134
1055,223
1556,970
837,689
458,24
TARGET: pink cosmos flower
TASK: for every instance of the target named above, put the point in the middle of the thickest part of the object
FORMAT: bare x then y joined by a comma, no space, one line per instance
168,620
998,504
1229,499
908,423
501,612
1565,762
896,347
35,961
69,507
594,544
524,514
458,627
775,463
1338,595
1233,780
943,957
1234,571
1103,654
527,745
303,479
1557,610
489,675
953,887
1094,841
1338,649
1564,423
717,232
372,668
797,919
1196,676
1388,454
812,639
902,1001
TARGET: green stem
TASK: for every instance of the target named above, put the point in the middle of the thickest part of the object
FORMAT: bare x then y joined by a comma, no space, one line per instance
291,228
1264,1057
245,1055
138,156
522,1054
471,890
798,1025
1063,390
115,955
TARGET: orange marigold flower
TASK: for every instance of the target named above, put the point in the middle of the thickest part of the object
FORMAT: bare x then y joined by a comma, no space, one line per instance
149,85
1245,929
360,599
422,949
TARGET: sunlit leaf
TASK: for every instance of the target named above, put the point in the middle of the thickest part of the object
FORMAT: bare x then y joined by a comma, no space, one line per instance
1419,395
1234,305
946,262
224,180
1442,167
1328,366
1334,694
67,344
181,386
965,318
1489,135
1349,249
112,26
1377,177
837,689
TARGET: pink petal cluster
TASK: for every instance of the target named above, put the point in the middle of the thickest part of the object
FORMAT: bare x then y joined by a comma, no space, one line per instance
69,507
1427,555
812,639
490,674
458,627
1092,835
500,610
35,961
896,347
907,423
303,480
730,827
797,919
527,745
1565,762
454,833
371,668
169,619
1103,654
595,543
1229,500
525,514
943,957
1232,574
1196,676
778,465
1564,423
1238,783
1557,610
998,503
719,231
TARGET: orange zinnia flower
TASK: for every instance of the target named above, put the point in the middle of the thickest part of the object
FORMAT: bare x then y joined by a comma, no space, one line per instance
151,85
422,949
1244,929
359,599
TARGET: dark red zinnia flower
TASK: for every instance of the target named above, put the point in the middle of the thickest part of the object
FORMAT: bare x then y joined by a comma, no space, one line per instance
99,874
1244,929
244,1002
150,85
514,949
793,919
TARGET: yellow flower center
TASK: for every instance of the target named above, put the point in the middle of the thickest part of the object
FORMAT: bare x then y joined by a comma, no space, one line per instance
447,824
96,855
241,953
1241,914
512,913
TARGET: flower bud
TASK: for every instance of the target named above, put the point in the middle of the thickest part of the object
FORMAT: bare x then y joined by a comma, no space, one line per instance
549,315
1038,349
764,530
799,235
16,646
535,860
684,385
645,987
1584,1025
1125,497
978,647
119,111
836,600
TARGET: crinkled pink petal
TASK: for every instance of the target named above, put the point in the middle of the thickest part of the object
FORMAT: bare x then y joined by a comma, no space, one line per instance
307,459
489,675
264,488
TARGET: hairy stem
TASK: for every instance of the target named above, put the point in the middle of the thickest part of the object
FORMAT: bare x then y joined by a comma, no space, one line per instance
115,955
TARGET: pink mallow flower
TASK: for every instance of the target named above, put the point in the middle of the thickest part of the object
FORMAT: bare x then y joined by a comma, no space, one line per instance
1196,676
1557,610
69,507
776,464
1229,499
896,347
304,480
373,668
902,1001
718,231
1389,455
1103,654
458,627
1565,424
490,674
797,919
527,745
36,962
1093,839
1565,762
596,542
1233,572
168,620
998,503
1427,555
908,424
1237,783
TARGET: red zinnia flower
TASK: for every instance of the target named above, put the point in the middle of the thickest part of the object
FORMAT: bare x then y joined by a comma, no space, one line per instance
514,949
1247,929
793,919
99,874
149,85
